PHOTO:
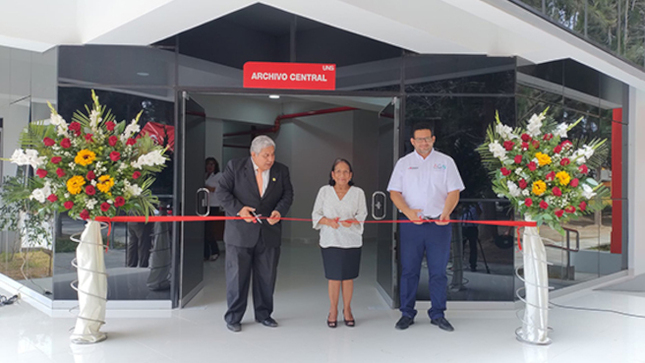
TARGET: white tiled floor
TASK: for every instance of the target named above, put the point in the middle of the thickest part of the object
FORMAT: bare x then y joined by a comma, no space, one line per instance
198,333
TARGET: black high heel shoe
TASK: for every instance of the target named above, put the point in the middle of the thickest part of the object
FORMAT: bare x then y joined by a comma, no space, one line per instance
349,323
331,324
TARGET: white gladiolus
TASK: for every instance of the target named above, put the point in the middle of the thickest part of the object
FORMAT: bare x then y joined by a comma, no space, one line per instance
130,130
41,194
28,157
505,132
587,191
94,119
132,190
497,150
513,189
561,130
535,124
150,159
91,203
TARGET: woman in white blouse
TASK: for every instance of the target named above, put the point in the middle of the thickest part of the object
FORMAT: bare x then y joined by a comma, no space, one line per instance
339,213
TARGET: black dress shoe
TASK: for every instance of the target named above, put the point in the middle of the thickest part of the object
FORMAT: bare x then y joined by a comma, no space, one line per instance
442,323
270,322
404,323
235,327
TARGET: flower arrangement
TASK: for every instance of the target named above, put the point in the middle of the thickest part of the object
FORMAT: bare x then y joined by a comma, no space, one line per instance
93,166
544,174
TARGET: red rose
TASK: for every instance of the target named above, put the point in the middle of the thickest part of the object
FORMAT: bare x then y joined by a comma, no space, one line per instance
526,138
104,207
557,149
75,126
583,169
566,144
525,146
532,166
508,145
574,182
528,202
535,144
565,162
41,173
505,171
65,143
52,198
56,159
119,202
523,184
547,137
60,172
544,205
133,141
550,176
49,142
110,125
112,140
570,209
90,190
518,159
136,175
115,156
90,175
557,192
85,215
88,137
559,213
582,206
68,205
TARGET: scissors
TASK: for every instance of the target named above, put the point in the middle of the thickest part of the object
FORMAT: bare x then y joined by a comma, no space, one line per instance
257,217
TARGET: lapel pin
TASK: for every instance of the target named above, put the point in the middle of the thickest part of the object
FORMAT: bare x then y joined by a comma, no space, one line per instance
273,179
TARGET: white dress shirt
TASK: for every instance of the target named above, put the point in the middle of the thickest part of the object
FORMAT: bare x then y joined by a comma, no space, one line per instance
211,182
352,206
425,183
265,176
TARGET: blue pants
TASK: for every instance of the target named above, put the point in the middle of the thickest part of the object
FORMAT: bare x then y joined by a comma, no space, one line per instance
434,241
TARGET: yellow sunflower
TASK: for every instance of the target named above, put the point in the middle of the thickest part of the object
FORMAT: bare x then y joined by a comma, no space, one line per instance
75,184
563,177
543,159
105,183
85,157
539,187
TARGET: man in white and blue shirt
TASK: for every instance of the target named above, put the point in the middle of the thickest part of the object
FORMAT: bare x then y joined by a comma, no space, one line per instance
425,184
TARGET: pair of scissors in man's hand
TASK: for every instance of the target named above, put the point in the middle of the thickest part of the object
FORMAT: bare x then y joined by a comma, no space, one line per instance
257,217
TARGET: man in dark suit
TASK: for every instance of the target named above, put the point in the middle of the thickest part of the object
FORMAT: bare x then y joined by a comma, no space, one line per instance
253,187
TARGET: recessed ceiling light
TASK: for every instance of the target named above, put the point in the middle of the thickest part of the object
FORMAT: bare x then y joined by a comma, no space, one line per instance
143,74
274,97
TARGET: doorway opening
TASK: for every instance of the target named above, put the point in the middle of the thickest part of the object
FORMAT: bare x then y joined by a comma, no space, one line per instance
310,132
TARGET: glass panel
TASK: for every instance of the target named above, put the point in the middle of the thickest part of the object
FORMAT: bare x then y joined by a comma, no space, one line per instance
537,74
460,127
134,273
613,237
117,65
459,74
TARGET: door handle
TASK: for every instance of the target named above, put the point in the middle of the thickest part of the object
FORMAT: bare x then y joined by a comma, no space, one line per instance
379,202
202,202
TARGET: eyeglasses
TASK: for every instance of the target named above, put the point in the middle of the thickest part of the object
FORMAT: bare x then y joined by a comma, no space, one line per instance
347,172
426,139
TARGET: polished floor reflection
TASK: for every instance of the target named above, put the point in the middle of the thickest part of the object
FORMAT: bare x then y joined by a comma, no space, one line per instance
198,333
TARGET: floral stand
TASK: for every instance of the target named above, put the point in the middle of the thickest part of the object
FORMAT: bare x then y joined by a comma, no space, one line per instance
91,286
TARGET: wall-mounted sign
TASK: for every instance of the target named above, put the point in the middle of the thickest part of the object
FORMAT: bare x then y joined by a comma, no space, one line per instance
312,76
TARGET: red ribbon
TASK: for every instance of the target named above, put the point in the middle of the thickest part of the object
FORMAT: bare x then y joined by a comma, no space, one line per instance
109,221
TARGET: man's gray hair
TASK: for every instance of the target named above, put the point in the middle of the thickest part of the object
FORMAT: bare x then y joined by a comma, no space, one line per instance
261,142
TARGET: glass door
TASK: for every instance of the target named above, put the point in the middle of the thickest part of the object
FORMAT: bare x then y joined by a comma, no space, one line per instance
191,194
381,208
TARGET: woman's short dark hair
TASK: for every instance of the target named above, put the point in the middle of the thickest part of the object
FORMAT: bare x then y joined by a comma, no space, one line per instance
332,182
210,158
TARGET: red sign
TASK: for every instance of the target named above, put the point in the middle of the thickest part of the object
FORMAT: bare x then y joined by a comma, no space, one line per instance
311,76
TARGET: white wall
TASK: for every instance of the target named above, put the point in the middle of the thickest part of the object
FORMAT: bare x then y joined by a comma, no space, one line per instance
636,192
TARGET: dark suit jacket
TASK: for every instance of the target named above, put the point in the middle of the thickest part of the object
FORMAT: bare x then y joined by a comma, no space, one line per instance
238,188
